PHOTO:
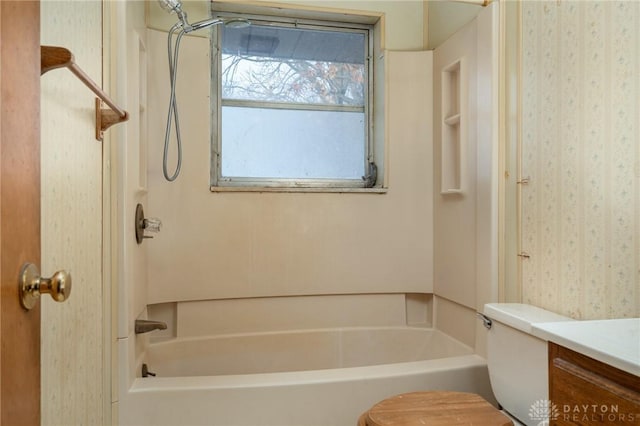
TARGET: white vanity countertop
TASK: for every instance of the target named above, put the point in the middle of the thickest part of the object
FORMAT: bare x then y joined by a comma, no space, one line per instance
615,342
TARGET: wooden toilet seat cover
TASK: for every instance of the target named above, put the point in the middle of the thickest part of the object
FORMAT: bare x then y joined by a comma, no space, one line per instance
440,408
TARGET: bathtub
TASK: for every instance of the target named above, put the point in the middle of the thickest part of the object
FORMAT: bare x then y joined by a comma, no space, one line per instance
312,377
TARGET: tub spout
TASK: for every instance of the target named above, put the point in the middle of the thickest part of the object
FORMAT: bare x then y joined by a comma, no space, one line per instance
145,326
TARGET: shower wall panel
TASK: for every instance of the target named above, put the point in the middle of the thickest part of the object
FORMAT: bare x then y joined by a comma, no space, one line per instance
231,245
465,218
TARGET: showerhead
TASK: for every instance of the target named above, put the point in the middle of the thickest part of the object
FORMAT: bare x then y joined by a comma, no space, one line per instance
237,23
175,6
171,6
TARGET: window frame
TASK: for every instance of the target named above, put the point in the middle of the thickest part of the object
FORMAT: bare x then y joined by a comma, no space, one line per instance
370,182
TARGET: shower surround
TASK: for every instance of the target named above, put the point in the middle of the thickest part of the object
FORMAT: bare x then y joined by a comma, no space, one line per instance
249,267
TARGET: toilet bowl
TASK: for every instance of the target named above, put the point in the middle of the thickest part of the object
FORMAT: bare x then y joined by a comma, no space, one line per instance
517,363
514,421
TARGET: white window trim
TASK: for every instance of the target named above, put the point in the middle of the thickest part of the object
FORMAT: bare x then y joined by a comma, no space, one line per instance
374,105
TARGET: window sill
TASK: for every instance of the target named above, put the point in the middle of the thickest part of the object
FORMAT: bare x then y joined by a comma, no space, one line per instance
376,190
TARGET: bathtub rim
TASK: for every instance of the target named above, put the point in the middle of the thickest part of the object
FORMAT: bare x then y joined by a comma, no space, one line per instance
288,378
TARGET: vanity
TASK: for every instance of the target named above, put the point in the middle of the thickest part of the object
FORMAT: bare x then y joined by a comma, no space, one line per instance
594,371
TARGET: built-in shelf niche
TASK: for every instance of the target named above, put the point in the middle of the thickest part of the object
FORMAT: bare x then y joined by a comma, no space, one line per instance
453,128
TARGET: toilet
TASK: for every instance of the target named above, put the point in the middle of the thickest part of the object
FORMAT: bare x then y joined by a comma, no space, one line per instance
517,363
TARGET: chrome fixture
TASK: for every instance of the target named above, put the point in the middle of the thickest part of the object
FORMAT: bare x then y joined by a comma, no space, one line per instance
31,285
150,224
145,326
181,28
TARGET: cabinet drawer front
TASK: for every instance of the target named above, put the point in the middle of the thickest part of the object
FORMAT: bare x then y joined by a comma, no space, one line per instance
588,392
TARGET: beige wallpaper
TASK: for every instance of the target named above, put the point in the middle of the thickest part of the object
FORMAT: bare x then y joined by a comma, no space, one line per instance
581,150
72,347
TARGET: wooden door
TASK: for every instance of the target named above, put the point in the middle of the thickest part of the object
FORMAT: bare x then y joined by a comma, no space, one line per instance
19,208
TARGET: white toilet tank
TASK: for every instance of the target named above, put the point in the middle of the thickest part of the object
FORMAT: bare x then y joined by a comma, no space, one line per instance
517,360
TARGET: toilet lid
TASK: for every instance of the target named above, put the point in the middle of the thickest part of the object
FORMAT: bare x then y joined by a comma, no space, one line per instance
439,408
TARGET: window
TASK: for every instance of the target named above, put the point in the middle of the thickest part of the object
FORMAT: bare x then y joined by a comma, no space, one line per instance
291,104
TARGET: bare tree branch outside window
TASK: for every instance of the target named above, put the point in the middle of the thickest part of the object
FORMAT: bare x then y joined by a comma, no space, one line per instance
292,81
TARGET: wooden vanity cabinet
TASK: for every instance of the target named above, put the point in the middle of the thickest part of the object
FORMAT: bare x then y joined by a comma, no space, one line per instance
585,391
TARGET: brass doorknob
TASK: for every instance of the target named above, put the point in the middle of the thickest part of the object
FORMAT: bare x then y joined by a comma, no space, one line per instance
31,285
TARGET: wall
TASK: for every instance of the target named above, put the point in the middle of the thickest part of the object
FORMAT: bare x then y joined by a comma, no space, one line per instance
231,245
465,222
581,151
447,17
411,24
403,18
74,377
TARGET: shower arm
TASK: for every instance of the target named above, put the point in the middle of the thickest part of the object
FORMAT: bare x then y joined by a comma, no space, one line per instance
52,57
200,24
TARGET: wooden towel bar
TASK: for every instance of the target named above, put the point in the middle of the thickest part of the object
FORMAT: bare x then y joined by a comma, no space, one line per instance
52,57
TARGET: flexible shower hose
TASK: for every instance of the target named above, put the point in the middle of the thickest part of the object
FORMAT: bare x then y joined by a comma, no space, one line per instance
173,105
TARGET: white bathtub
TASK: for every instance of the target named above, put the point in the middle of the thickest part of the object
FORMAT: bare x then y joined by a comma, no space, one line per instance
312,377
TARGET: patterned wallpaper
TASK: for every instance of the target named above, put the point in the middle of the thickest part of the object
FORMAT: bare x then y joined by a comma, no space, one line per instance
581,150
73,386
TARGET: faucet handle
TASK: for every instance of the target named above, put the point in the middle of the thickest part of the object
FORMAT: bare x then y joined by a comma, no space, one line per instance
143,224
152,224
